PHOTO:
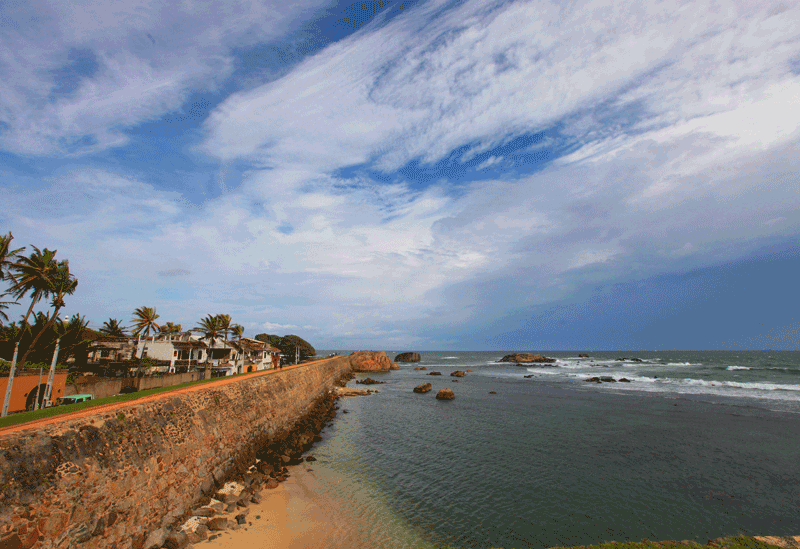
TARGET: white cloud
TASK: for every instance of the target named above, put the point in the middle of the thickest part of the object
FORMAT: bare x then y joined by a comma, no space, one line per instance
148,56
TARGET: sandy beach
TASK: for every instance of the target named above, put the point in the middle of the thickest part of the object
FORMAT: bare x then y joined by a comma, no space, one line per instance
294,515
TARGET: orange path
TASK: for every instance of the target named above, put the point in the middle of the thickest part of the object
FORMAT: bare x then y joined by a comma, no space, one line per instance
106,408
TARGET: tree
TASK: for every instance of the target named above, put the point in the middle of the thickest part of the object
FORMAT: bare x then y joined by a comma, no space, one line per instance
7,255
288,344
237,330
270,339
113,327
62,284
210,327
144,320
33,275
225,324
170,328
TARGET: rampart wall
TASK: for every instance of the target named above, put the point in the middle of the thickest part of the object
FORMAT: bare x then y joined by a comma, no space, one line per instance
108,479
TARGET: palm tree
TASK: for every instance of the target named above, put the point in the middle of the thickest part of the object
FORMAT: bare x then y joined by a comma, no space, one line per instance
33,275
144,320
113,327
62,284
225,324
210,327
237,330
7,255
170,328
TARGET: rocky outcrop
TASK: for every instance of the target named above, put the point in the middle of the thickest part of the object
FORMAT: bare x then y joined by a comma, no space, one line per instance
434,373
526,358
583,355
458,373
424,388
408,357
445,394
369,381
371,361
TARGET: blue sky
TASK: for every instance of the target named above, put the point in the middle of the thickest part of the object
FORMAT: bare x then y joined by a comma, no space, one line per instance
415,175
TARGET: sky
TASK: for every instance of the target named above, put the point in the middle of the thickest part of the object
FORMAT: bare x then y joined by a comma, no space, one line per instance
415,175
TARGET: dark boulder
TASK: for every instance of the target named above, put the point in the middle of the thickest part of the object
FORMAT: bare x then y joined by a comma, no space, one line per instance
458,373
527,358
445,394
369,381
424,388
583,355
408,357
435,373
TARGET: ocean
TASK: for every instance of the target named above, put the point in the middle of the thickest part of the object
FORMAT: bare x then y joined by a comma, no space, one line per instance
697,445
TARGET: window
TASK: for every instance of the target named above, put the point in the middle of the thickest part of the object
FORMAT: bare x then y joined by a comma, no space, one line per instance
104,353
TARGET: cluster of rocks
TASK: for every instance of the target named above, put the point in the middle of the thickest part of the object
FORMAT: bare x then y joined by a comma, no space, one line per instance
527,358
420,368
625,359
369,381
607,379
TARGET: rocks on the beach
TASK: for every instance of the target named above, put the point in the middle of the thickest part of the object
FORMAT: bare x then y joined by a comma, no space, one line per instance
526,358
424,388
408,357
176,540
204,512
311,458
458,373
434,373
271,484
445,394
369,381
371,361
156,539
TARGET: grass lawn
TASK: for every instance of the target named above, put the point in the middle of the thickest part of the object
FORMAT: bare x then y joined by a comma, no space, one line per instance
24,417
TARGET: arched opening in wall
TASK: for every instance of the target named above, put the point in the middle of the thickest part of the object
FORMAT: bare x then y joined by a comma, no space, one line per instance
36,393
249,368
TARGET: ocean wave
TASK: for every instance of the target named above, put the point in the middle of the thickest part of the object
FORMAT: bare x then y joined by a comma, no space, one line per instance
684,363
691,382
732,368
449,357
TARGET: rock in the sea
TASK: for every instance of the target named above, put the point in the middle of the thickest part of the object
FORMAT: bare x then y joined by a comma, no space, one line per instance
527,357
424,388
492,392
458,373
583,355
445,394
468,371
624,380
594,379
608,379
369,381
408,357
420,368
434,373
371,361
528,376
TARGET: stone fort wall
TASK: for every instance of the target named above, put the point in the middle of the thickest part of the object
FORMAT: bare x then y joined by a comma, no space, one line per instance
108,479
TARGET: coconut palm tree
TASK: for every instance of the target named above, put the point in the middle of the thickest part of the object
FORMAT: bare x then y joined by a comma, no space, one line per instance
210,327
7,255
225,324
170,328
62,284
113,327
144,320
33,275
237,330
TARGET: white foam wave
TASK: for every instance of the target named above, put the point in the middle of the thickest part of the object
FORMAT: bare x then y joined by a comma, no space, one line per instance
684,363
732,368
449,357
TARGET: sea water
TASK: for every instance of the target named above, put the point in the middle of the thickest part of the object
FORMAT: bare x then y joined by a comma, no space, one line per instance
696,446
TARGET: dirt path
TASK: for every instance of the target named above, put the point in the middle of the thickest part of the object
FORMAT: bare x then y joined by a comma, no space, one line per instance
106,408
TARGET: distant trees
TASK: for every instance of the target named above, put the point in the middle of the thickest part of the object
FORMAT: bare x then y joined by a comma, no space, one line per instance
170,328
288,345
